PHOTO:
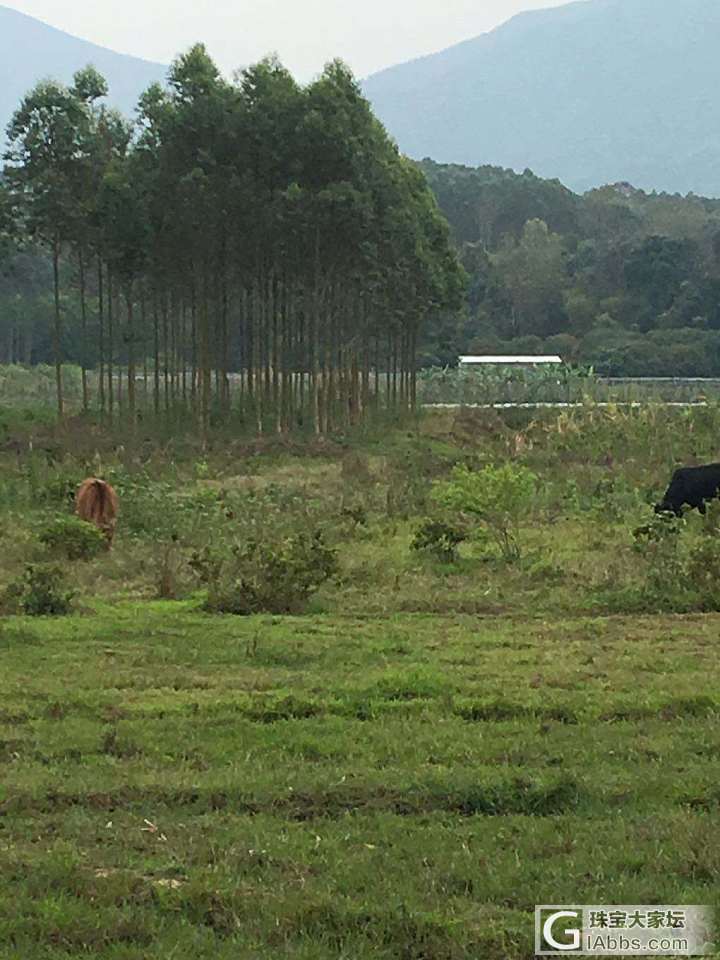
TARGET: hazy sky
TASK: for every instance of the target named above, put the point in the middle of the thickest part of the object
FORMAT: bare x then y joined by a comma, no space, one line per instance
368,34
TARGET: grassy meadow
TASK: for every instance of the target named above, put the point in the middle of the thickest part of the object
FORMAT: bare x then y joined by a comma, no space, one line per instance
405,766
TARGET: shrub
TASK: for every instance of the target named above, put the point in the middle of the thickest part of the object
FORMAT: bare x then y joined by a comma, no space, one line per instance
272,577
499,498
73,538
703,565
704,571
711,519
40,591
407,475
168,570
355,516
159,509
438,539
658,543
59,489
612,499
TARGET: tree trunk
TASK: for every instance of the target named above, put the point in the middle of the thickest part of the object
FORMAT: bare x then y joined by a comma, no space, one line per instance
156,356
83,314
57,331
101,338
131,352
111,347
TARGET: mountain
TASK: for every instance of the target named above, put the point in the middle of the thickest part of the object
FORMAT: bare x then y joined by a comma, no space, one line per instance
593,92
31,50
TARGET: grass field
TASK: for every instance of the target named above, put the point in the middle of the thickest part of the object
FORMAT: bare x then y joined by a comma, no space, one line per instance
402,772
176,785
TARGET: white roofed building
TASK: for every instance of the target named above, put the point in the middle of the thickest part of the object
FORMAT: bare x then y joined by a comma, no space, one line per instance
516,361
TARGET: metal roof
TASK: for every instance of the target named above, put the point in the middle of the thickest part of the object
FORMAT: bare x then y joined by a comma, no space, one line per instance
509,360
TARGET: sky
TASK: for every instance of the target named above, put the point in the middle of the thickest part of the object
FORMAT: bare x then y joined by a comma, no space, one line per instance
368,34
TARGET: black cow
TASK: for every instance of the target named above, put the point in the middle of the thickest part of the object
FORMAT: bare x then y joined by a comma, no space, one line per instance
691,486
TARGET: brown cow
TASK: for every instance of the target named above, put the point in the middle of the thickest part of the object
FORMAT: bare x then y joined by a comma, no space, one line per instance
96,502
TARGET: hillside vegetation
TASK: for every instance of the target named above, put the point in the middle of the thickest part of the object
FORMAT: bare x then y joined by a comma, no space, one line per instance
618,278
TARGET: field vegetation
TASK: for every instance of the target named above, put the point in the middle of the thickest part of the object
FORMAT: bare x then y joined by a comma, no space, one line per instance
467,670
491,384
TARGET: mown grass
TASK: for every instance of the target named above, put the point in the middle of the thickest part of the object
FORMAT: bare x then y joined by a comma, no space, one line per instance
176,784
405,771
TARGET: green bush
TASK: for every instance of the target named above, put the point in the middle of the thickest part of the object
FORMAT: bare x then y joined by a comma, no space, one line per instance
612,499
158,509
59,489
73,538
438,539
272,577
658,543
354,516
499,498
41,591
703,565
704,571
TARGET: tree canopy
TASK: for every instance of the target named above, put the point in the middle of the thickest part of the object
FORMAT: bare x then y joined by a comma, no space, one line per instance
256,244
618,278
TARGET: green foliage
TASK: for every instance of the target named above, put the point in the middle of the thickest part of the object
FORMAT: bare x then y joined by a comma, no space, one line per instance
408,473
493,384
163,508
73,538
613,499
499,498
620,279
41,591
659,543
270,576
438,539
58,489
703,571
259,189
355,516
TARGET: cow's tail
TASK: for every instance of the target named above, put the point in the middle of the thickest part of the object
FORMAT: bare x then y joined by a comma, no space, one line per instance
100,488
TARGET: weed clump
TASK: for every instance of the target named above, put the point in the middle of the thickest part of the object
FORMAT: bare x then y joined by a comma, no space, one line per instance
271,577
438,539
73,538
658,543
41,591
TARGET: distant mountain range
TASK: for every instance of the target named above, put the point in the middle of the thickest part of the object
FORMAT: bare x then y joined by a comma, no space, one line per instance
31,51
593,92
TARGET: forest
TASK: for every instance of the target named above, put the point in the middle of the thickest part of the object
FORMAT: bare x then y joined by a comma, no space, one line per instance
254,238
620,279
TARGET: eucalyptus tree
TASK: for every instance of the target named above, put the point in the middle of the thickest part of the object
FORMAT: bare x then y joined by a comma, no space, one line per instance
183,148
47,136
88,87
110,141
256,224
125,234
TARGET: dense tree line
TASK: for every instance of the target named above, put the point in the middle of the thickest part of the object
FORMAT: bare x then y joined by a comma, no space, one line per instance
255,245
621,279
